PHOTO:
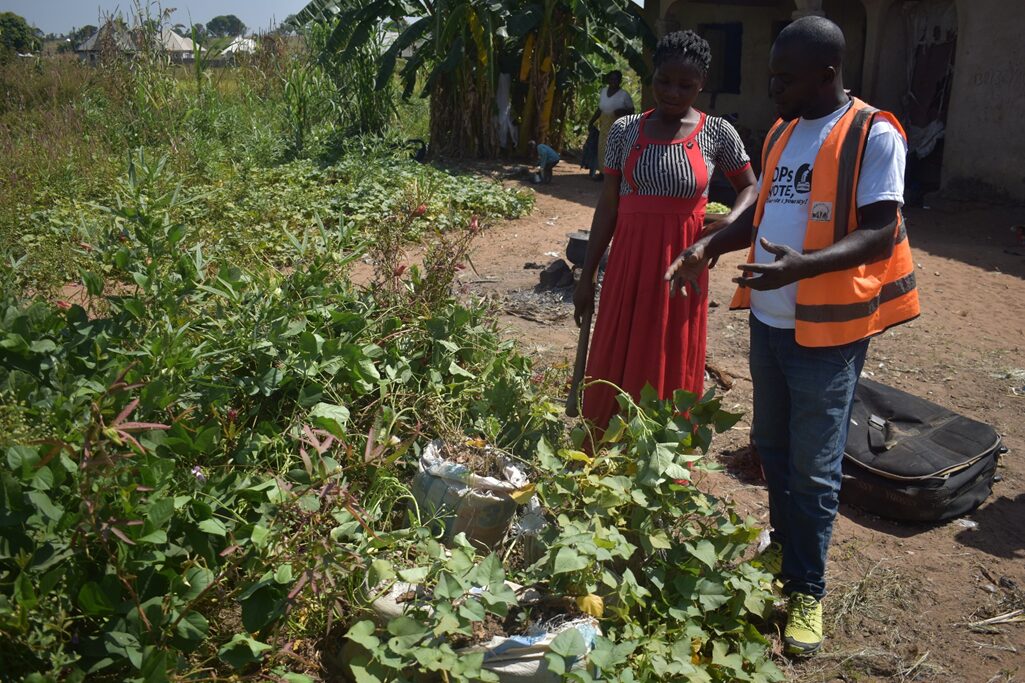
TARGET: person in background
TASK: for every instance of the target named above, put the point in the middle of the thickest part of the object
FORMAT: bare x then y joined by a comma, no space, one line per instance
652,205
828,268
613,103
589,153
547,159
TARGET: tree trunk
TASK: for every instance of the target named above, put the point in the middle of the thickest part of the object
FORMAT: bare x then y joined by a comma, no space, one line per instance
462,116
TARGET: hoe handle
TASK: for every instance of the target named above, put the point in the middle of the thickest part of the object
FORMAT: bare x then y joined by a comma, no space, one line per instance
573,402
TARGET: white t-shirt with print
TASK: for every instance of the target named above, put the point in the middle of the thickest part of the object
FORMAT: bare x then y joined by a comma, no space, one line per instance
785,220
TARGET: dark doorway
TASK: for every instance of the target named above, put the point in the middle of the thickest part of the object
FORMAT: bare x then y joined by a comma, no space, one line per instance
931,30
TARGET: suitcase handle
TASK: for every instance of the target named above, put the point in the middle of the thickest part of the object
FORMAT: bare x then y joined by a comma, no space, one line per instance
877,433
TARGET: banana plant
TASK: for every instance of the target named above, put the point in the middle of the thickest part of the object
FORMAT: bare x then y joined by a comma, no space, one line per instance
566,43
453,48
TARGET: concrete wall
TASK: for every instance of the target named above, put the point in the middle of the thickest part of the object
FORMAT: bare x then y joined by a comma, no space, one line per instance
759,17
886,58
984,149
985,140
850,16
752,105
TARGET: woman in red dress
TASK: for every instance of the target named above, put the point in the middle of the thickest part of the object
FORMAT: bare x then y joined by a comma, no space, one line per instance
657,168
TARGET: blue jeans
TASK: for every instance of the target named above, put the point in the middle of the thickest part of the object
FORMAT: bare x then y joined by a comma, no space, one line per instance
802,408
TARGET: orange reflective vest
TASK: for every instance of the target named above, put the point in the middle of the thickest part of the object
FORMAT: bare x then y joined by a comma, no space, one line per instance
847,305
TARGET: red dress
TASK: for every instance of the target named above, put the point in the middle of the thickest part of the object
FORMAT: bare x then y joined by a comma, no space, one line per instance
642,336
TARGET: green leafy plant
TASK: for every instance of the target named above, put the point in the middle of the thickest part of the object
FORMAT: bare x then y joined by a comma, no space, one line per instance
307,102
207,429
453,52
666,559
184,444
452,592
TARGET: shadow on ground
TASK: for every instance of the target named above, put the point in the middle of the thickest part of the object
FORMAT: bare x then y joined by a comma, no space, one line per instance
569,185
980,236
743,465
570,182
1001,528
889,527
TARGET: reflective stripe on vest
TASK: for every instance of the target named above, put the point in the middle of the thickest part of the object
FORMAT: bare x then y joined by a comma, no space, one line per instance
856,303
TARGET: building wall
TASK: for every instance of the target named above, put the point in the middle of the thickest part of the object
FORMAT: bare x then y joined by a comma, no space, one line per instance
752,106
850,16
985,140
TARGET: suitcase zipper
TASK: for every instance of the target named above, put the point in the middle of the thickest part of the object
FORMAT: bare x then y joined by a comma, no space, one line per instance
942,474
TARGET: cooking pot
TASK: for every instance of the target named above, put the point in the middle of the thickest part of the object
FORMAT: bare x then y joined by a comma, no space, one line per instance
576,250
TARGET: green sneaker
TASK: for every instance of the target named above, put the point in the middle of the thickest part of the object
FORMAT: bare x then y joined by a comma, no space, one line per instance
803,634
771,559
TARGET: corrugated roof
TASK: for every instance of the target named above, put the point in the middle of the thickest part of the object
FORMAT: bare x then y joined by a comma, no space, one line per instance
240,44
120,36
172,42
125,40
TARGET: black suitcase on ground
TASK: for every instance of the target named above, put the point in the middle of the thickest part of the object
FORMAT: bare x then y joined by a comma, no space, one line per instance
910,460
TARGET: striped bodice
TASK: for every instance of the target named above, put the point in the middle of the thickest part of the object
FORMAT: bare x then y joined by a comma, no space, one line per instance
662,168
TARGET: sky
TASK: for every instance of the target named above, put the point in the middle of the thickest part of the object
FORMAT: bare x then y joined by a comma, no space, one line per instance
60,16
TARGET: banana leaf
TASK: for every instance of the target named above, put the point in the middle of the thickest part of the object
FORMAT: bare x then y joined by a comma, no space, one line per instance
412,34
519,25
447,65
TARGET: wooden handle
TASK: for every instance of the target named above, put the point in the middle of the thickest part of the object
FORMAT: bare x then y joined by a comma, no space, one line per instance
572,403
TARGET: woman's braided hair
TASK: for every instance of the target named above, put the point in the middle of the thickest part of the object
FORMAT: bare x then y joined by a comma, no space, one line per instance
685,46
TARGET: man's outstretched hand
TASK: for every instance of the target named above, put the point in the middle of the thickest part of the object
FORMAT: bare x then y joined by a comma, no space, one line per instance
790,266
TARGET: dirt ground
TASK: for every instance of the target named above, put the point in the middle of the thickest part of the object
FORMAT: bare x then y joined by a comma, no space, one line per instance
903,598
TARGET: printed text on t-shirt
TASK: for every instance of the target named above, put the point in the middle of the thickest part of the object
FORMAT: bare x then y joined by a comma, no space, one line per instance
790,186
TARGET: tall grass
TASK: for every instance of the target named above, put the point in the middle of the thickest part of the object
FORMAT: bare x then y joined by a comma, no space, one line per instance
362,107
67,128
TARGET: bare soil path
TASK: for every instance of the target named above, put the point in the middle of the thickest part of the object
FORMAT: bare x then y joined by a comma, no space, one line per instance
901,596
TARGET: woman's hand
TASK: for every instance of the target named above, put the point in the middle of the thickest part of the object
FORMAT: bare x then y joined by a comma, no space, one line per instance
710,230
583,299
687,267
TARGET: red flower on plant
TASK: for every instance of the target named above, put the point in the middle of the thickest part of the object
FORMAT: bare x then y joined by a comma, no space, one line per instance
419,211
474,226
399,270
62,304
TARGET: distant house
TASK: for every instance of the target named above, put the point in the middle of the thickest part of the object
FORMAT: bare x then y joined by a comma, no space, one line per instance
240,46
951,70
230,53
180,48
114,37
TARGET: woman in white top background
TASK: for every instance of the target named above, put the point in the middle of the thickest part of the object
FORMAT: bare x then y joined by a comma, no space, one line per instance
613,103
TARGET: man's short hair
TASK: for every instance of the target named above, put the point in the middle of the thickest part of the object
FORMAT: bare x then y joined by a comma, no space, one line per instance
819,37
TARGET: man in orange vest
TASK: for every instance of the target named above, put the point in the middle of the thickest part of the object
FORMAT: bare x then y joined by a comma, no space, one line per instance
829,268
